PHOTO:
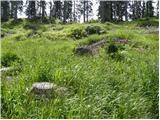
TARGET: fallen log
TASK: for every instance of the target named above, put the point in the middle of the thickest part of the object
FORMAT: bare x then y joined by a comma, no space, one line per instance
90,49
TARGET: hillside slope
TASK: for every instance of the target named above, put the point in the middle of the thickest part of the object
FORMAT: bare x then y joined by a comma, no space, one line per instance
120,80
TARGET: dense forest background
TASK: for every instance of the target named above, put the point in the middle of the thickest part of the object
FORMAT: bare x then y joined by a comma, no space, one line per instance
75,11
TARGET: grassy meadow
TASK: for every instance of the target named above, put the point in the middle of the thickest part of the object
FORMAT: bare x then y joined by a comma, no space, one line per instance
117,84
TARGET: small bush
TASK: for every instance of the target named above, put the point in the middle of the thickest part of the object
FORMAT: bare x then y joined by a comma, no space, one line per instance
148,23
58,21
46,20
112,48
9,58
17,22
78,34
34,34
20,37
115,52
93,30
31,26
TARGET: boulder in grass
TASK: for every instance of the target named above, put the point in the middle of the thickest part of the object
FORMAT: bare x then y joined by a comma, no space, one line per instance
6,69
101,32
43,88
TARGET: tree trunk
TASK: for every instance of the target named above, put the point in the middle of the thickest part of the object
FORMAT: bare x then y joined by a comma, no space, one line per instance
87,10
158,9
43,9
126,13
50,12
16,10
143,9
64,12
105,10
84,11
74,11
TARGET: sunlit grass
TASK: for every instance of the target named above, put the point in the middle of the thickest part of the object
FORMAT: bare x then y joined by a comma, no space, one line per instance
99,86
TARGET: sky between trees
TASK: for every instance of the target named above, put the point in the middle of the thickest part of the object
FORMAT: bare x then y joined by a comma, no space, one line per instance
83,11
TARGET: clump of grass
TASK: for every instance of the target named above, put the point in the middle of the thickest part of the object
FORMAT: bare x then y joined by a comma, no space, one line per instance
114,51
112,48
122,34
20,37
9,58
78,33
93,30
12,23
44,74
92,39
148,23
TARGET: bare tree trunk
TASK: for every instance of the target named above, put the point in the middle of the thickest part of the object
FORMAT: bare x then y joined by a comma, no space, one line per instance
50,12
64,12
84,11
87,11
126,13
74,11
158,9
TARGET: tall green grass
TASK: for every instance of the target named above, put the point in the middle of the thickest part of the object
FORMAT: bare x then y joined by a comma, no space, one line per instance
99,86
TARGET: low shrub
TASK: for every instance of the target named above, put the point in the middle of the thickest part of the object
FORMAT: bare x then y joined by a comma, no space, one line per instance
93,30
17,22
148,23
9,58
78,33
31,26
20,37
114,52
112,48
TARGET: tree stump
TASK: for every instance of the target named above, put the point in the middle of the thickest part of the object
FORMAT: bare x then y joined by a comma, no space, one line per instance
43,88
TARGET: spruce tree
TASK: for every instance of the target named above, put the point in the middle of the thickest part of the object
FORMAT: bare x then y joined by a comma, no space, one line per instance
5,10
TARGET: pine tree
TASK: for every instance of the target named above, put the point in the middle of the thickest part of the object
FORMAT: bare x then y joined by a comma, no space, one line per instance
76,10
150,9
89,5
143,8
31,9
5,10
15,6
105,10
67,10
42,9
157,8
57,9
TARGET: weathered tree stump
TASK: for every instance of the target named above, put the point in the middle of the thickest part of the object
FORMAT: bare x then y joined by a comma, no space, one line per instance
43,88
48,89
